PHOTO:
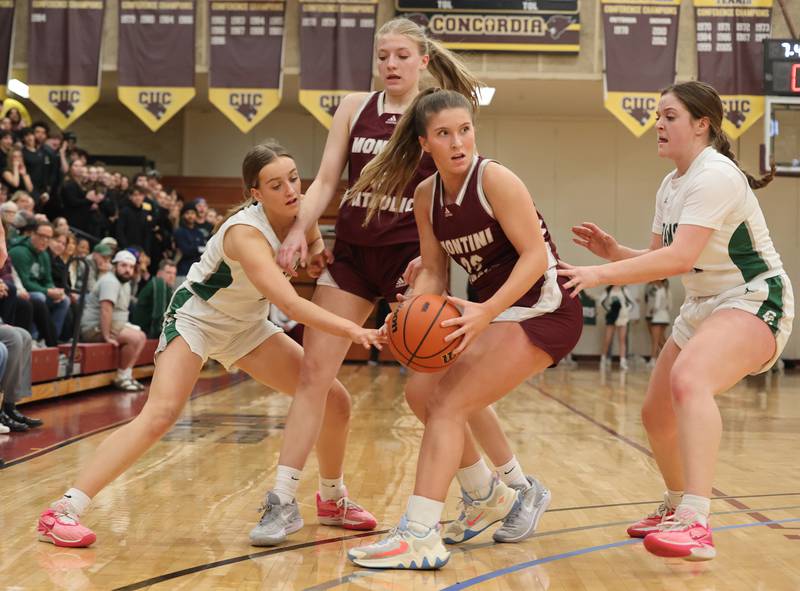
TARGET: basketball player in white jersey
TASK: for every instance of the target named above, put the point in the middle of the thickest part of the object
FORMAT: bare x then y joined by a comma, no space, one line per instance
221,311
708,228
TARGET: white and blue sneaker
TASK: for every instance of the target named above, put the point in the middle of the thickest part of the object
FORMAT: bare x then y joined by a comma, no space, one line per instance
478,514
410,545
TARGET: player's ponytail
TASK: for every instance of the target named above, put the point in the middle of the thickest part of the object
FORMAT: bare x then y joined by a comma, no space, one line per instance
702,100
391,170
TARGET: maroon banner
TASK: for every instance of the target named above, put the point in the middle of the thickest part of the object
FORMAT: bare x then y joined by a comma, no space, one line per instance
64,57
730,56
336,48
156,58
245,59
648,30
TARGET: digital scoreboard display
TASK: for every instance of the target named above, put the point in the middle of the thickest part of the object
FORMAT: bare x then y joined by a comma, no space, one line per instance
782,67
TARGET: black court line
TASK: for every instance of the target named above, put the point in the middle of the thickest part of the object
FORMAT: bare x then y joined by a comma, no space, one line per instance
729,498
211,388
201,567
466,548
290,548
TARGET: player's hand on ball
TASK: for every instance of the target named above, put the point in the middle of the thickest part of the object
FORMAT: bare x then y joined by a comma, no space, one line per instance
595,239
580,278
473,320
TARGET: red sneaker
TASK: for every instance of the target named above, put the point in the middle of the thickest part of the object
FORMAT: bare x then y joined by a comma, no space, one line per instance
682,536
344,513
650,524
60,525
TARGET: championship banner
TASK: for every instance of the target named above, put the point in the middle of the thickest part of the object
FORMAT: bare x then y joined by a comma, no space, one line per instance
156,58
730,57
6,39
64,39
245,59
498,25
336,47
641,40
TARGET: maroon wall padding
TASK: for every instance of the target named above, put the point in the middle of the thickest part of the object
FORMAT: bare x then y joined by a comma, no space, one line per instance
44,365
149,350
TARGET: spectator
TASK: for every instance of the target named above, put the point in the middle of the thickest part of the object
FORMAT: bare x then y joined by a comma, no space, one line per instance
82,247
153,300
134,225
8,211
15,177
58,264
37,163
61,226
16,377
6,145
81,200
32,264
17,121
24,201
189,241
105,319
202,222
99,264
212,217
5,123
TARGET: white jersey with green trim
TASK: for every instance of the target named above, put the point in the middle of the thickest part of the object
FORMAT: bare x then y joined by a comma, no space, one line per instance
222,282
714,194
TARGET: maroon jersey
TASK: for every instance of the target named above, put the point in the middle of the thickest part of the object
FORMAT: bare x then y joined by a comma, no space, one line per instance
470,234
394,223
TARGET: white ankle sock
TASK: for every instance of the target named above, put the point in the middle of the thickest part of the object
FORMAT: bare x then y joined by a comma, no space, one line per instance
476,479
700,505
673,498
77,499
125,374
332,489
286,482
424,510
511,473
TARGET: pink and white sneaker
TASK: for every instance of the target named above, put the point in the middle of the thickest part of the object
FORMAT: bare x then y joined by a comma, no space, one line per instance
60,525
683,535
650,524
344,513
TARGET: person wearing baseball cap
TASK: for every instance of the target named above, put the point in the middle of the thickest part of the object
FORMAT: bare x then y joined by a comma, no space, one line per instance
105,318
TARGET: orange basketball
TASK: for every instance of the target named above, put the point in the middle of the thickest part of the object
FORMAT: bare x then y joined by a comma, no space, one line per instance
416,337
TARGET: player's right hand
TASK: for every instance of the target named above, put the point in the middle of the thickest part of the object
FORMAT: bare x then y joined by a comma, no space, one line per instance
595,239
293,248
368,337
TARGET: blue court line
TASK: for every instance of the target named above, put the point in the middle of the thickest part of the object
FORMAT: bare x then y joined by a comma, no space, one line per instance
523,565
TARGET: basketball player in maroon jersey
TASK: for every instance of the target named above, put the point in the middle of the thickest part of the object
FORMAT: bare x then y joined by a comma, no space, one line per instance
481,215
369,261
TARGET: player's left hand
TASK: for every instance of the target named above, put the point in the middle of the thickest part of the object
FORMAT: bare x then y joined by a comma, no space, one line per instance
474,319
580,278
317,263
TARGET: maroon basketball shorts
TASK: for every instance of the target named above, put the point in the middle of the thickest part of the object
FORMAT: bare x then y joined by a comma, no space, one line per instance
554,324
370,272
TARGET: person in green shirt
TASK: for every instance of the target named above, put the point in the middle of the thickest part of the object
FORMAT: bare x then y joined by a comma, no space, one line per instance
32,262
152,302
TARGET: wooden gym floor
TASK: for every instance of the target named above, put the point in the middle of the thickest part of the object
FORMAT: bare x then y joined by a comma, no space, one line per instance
179,518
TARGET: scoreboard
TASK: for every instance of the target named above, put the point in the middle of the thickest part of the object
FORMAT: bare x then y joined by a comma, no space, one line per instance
782,67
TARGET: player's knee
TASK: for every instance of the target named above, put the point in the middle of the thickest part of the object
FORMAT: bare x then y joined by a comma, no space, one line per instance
416,399
442,404
684,383
339,401
160,419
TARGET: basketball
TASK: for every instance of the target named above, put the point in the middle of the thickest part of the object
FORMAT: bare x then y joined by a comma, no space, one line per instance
416,337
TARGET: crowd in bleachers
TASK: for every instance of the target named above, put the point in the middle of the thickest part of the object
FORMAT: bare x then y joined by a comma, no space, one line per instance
69,220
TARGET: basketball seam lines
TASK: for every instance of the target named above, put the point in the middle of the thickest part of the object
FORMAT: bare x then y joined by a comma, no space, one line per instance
422,340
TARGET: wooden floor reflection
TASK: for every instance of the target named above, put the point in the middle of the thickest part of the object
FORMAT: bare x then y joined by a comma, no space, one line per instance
179,518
